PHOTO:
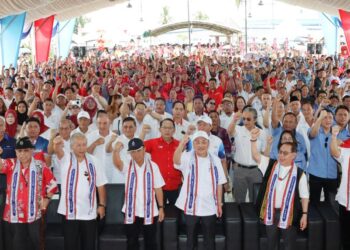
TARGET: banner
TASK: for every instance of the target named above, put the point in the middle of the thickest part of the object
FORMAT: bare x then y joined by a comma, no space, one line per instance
345,19
64,34
10,37
43,33
330,33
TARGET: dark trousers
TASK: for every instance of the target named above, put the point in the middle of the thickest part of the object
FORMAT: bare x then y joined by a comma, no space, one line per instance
274,233
344,217
79,232
316,185
2,206
170,197
208,228
149,234
22,236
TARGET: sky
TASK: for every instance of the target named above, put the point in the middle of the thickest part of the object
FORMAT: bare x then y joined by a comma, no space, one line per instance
119,23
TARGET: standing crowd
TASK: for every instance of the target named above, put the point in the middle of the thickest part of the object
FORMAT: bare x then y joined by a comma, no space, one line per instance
190,131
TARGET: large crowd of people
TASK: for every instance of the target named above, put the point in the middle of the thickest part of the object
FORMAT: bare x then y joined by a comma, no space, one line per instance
190,130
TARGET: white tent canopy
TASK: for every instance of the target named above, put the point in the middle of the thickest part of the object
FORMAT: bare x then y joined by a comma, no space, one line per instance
66,9
328,6
63,9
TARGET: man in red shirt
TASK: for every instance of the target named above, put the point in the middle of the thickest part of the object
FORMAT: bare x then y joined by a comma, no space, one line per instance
162,150
215,92
30,186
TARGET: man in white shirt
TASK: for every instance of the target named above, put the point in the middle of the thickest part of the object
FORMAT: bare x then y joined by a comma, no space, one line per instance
83,123
198,107
227,114
146,126
342,155
246,173
201,194
181,125
51,119
281,177
137,213
121,157
97,142
82,178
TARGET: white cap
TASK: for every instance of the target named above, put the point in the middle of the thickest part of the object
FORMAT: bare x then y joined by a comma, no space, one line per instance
83,114
200,134
206,119
59,95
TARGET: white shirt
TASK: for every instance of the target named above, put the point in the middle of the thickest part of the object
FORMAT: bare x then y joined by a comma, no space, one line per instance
281,184
104,158
342,190
77,130
302,129
225,120
56,168
243,153
205,204
290,84
82,194
152,123
179,128
192,117
117,125
158,183
52,121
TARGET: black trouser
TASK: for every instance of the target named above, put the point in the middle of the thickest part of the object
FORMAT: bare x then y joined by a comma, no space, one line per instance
170,197
316,185
273,235
344,217
149,234
208,228
79,231
22,236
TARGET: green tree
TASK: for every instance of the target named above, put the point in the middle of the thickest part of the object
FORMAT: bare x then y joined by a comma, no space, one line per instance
165,17
80,23
200,16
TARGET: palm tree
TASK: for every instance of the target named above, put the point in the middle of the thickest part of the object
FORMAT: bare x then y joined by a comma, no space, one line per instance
200,16
165,17
80,23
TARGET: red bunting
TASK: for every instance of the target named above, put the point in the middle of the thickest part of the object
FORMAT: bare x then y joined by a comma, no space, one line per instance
43,33
345,19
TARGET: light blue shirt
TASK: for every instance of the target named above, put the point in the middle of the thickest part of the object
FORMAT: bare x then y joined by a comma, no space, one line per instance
301,157
321,163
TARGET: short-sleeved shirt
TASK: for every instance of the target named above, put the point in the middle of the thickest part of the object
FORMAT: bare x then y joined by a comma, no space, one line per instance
303,187
49,185
205,204
216,146
162,153
321,163
158,183
82,193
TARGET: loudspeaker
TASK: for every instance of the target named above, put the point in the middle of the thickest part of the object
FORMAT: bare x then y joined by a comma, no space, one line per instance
76,51
82,51
311,48
319,48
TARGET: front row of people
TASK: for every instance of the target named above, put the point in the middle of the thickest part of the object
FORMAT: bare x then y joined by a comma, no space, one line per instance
282,201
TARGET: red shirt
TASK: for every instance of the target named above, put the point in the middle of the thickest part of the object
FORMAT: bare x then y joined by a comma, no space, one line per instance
49,185
217,95
162,153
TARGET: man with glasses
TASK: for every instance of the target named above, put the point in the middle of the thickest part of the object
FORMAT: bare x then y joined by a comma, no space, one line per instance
246,173
162,150
281,176
322,166
29,181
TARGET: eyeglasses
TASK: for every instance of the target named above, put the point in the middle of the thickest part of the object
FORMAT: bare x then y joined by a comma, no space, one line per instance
284,153
326,142
246,119
212,103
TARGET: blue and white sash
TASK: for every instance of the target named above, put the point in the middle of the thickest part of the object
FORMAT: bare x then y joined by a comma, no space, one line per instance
192,185
71,186
32,195
131,193
286,216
